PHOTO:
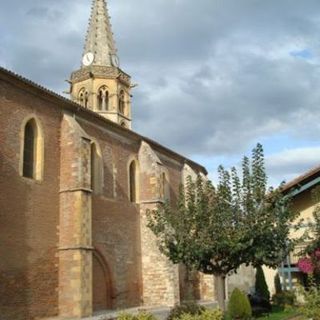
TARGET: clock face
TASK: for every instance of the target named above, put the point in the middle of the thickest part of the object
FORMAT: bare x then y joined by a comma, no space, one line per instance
88,59
115,60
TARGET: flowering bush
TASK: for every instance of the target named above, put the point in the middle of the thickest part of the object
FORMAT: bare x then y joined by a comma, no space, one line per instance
305,265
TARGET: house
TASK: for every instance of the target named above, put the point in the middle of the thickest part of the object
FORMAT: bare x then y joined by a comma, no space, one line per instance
301,190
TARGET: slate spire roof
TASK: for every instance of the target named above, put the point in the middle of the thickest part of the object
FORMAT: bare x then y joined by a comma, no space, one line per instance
99,39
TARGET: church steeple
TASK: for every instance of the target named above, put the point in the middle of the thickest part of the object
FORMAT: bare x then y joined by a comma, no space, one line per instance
99,40
100,85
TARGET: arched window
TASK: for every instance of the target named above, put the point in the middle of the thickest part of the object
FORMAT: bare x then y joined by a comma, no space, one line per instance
103,99
122,104
32,155
96,169
164,187
83,97
133,181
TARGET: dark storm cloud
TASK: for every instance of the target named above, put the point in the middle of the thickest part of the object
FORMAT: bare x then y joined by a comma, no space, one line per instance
214,75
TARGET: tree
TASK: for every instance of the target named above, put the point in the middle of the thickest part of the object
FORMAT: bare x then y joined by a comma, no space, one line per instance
216,229
261,286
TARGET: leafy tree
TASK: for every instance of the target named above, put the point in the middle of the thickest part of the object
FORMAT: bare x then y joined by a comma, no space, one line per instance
261,284
216,229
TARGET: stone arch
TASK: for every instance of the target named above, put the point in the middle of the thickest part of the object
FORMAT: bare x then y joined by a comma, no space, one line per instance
102,286
32,149
122,102
164,184
103,98
83,97
133,180
96,168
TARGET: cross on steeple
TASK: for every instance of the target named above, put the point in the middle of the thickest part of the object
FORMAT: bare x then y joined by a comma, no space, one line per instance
100,48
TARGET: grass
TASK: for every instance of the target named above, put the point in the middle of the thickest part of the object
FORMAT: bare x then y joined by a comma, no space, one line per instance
279,314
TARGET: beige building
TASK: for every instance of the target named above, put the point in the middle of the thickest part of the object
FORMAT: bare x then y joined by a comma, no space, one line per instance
301,190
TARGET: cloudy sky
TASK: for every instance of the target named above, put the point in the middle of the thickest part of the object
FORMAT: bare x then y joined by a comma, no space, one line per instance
215,76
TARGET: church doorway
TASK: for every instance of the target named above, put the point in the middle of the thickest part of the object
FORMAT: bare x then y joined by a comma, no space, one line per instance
101,286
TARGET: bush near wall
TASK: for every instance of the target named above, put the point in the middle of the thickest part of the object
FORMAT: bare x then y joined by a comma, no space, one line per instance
284,298
190,307
239,306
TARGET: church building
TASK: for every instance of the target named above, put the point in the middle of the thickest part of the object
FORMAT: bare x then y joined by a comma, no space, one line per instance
75,185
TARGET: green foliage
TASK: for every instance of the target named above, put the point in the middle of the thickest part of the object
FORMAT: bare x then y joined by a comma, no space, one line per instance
207,314
189,307
139,316
261,286
239,305
311,307
215,230
277,284
284,298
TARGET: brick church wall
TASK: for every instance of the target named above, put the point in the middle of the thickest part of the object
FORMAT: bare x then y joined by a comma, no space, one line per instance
28,211
29,214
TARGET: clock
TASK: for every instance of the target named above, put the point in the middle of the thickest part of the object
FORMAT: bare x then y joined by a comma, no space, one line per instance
115,60
88,58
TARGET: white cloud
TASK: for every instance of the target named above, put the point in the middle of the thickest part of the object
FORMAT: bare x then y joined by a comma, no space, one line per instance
290,163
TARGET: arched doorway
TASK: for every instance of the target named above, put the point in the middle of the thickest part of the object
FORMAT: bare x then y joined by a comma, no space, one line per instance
101,286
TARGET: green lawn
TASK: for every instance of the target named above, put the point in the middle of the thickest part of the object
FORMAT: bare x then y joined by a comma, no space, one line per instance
283,315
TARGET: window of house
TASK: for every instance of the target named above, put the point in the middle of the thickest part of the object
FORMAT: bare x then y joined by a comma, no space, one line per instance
122,102
103,99
32,151
133,181
96,169
164,187
83,97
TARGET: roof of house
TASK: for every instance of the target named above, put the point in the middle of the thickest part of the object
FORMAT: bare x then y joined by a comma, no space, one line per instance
67,104
303,182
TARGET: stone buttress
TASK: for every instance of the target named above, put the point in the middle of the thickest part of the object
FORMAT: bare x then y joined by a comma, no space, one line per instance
160,277
75,247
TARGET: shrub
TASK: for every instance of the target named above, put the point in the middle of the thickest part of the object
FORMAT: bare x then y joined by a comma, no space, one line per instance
277,284
261,285
311,307
139,316
211,314
239,305
284,298
207,314
189,307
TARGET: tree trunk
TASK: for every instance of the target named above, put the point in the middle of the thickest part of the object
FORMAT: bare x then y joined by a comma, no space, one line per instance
220,288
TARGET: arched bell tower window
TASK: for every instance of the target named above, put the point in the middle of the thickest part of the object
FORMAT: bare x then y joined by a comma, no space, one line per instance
133,179
103,99
96,169
122,104
83,97
32,151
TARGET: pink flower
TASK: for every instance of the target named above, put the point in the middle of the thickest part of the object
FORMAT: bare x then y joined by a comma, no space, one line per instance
305,265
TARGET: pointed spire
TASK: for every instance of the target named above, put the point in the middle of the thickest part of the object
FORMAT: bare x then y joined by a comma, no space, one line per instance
99,40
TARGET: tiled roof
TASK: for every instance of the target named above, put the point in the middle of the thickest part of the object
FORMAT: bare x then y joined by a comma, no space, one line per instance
302,179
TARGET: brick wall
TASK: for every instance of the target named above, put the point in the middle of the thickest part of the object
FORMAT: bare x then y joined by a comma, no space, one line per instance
28,211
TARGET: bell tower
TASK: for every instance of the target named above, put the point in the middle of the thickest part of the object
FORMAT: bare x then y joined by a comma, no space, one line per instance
100,85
